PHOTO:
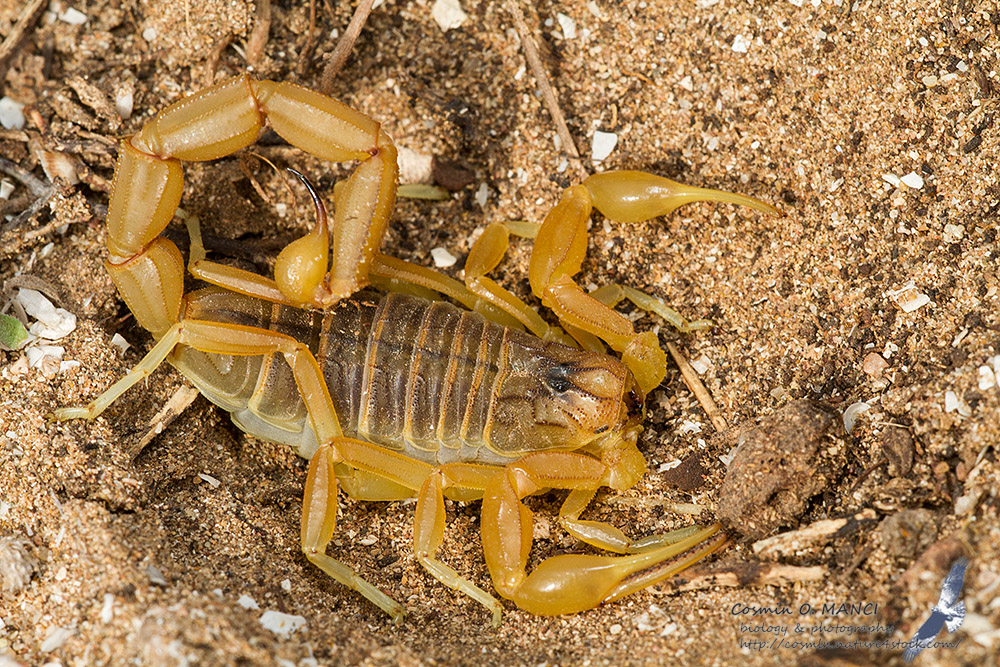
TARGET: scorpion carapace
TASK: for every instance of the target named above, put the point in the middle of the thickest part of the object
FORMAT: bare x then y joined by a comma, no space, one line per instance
393,397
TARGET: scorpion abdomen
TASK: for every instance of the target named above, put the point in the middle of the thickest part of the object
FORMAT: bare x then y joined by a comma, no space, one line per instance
412,375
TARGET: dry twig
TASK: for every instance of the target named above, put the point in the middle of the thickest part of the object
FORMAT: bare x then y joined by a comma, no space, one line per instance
261,30
694,383
335,61
25,22
542,79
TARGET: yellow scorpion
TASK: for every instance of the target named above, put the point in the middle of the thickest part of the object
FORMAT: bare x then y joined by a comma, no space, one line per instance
390,395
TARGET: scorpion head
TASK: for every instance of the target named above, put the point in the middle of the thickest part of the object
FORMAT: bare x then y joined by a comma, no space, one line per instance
563,398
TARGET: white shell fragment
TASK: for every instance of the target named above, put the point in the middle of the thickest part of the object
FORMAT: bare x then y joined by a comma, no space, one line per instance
6,187
414,167
108,609
248,602
912,180
448,14
119,341
56,637
11,116
43,355
443,258
952,403
909,298
567,25
53,323
604,143
212,482
852,413
987,378
281,624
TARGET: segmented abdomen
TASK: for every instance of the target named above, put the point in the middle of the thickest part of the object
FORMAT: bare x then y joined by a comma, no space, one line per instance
406,373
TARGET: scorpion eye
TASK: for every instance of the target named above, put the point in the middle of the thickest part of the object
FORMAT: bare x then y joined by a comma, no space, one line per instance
556,380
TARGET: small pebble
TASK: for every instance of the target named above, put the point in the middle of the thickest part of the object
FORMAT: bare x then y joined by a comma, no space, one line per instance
741,43
155,575
874,365
55,638
73,16
912,180
953,233
448,14
119,341
108,609
11,116
615,629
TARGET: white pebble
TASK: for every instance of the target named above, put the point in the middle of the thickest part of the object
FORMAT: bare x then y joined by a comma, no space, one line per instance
124,97
482,194
930,80
741,43
701,364
73,17
149,34
891,179
286,585
604,143
6,187
568,26
443,258
368,540
686,83
912,180
11,116
448,14
247,602
281,624
615,629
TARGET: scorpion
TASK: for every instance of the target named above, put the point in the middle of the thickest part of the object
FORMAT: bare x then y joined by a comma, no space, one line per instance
390,395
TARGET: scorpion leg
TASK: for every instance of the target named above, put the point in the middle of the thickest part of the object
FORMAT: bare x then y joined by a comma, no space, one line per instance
428,528
561,243
570,583
604,535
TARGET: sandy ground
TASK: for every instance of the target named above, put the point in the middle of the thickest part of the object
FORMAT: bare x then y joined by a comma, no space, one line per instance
870,124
